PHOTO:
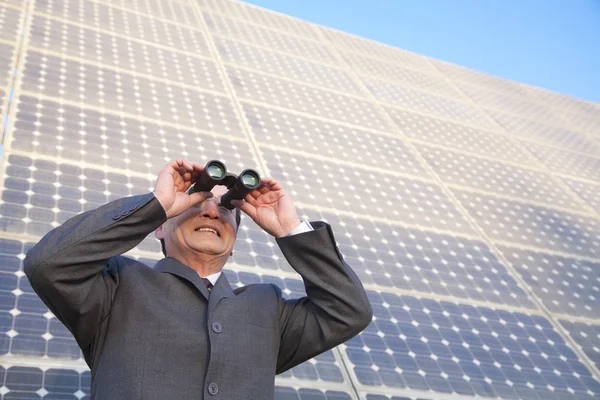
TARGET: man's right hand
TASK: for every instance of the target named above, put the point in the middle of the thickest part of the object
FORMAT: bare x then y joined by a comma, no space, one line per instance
172,185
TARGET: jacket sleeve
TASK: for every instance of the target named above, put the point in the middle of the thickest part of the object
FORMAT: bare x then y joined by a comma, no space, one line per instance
69,267
336,307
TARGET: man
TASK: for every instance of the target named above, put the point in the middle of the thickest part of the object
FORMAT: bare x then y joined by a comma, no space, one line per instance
161,333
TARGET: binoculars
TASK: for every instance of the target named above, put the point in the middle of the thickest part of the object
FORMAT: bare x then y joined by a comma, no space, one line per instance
215,173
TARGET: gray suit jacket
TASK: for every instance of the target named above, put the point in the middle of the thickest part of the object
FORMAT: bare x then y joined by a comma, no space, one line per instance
157,334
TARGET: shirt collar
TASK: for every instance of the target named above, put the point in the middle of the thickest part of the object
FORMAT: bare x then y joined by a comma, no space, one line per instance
221,288
213,277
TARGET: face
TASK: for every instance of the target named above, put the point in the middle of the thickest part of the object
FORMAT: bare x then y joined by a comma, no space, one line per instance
206,228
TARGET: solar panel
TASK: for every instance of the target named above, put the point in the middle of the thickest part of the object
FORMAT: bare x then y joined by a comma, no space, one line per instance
233,52
552,134
256,34
432,104
501,179
423,129
565,285
466,204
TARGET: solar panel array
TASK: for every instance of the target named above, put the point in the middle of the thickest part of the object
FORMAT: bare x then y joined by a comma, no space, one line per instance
467,204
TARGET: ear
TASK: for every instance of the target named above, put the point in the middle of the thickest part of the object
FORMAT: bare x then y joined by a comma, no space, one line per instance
159,233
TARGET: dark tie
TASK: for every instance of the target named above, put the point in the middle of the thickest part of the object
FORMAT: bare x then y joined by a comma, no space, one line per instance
207,283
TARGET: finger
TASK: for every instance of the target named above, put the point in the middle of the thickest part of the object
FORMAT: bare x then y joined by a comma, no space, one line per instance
177,165
264,189
181,166
197,169
272,183
253,195
188,165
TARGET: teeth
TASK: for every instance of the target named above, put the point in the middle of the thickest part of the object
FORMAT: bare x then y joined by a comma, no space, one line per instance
206,230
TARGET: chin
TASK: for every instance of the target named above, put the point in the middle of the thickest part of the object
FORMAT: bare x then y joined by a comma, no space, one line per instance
207,251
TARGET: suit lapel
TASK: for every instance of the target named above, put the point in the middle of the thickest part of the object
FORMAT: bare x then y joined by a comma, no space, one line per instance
172,266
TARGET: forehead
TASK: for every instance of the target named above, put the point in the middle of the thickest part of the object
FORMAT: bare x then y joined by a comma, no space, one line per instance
219,190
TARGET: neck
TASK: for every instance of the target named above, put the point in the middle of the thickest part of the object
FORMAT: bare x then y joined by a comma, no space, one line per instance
203,264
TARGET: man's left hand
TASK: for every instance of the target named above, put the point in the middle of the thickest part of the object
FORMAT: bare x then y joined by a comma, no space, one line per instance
271,207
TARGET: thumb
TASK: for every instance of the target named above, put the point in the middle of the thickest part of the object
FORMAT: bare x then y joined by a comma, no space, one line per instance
246,207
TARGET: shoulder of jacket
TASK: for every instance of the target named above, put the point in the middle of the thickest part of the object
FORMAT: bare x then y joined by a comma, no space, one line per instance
265,288
125,264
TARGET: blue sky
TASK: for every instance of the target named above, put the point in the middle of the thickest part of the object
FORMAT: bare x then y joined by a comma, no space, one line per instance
553,44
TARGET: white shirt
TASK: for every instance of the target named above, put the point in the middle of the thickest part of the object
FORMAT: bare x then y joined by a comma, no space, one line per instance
303,227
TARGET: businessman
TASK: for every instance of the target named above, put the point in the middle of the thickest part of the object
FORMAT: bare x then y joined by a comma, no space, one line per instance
179,331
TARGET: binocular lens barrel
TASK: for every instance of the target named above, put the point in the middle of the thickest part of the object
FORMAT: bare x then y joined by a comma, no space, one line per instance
215,170
246,182
213,174
250,178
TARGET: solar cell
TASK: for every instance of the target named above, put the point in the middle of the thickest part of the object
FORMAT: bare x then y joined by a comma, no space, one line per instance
6,63
10,22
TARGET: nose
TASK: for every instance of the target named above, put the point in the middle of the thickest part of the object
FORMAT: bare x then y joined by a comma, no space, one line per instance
210,210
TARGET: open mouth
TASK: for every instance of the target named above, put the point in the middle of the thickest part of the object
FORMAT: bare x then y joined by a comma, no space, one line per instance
211,230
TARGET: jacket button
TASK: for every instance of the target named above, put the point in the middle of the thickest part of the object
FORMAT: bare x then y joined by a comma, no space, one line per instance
116,216
216,327
213,388
124,213
133,208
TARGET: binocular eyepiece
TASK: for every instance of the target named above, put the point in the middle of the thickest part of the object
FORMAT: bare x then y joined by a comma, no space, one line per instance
215,173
